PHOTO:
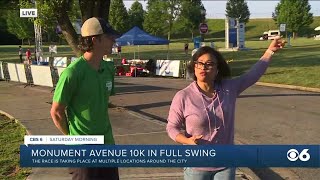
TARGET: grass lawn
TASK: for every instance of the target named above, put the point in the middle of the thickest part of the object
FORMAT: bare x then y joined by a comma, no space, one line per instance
295,65
10,139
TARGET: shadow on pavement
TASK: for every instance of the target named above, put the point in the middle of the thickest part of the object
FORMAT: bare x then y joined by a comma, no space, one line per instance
139,88
157,118
138,109
147,106
266,173
135,92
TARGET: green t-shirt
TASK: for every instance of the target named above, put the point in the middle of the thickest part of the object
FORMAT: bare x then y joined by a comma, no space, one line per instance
85,92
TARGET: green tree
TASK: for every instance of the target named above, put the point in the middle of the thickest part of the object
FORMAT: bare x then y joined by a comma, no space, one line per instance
63,12
5,36
192,14
119,16
161,15
155,20
20,27
238,9
174,10
136,15
294,13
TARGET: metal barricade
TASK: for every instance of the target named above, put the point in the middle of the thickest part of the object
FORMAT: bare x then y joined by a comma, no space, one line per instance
29,77
6,71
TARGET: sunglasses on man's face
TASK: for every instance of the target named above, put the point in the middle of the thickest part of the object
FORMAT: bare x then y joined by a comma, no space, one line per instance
208,65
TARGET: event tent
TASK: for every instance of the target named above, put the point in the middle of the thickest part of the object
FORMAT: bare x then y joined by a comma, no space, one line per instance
136,36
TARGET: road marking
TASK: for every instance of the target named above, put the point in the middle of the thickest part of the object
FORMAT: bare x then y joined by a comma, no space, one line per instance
146,118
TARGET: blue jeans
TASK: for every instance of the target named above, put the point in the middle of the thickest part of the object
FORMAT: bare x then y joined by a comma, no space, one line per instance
224,174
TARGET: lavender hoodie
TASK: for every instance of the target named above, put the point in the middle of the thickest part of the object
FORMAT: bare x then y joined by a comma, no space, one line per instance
202,115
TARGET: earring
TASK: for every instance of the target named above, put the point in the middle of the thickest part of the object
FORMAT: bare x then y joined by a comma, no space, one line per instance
217,72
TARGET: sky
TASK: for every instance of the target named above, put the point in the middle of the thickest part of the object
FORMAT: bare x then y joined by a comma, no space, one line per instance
258,8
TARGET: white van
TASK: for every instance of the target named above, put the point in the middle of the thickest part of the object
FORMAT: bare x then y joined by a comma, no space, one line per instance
271,34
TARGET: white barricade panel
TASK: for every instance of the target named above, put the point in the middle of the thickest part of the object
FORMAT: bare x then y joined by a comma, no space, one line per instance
45,59
13,72
21,73
41,75
60,70
1,71
168,68
73,59
60,62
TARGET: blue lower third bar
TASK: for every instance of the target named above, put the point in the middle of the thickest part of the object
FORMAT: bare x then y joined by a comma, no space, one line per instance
169,156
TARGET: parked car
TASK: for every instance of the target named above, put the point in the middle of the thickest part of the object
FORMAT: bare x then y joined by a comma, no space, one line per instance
269,35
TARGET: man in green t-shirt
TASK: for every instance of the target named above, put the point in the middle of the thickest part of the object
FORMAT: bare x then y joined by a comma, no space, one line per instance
81,96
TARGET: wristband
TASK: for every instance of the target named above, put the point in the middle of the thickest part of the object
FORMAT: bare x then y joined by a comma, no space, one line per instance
269,51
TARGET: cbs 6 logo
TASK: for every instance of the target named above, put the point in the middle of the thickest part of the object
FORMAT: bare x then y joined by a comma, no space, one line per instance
294,155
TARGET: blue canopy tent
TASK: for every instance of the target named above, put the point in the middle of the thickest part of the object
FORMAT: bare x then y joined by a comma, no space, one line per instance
136,36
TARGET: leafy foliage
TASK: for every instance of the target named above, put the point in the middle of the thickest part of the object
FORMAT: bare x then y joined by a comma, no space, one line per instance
136,15
155,21
192,14
238,9
21,27
118,16
294,13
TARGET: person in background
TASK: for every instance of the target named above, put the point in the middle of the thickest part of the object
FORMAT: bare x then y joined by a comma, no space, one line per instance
119,50
124,61
20,54
151,66
186,47
206,108
82,93
212,44
28,56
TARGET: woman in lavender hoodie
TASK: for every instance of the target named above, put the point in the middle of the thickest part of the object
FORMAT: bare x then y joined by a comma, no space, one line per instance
206,107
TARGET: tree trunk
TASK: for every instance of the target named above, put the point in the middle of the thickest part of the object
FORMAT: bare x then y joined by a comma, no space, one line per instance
69,32
67,29
97,8
86,9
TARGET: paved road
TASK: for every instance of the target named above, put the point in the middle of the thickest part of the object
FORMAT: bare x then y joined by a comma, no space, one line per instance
264,115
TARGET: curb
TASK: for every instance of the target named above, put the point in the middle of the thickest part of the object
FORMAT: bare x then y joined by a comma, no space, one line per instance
15,120
299,88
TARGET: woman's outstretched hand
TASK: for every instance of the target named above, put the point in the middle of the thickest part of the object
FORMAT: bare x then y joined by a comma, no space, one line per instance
277,44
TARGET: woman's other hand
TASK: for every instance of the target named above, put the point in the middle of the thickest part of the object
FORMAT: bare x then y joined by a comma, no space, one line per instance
194,139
